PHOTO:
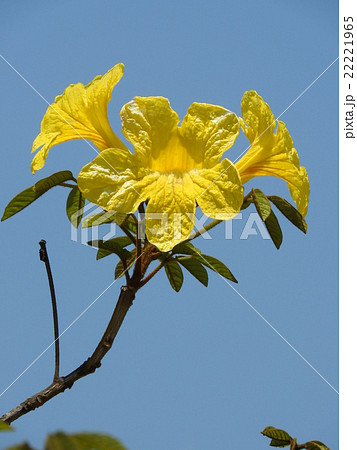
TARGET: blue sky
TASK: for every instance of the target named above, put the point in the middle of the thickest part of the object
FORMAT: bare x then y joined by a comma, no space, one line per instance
199,369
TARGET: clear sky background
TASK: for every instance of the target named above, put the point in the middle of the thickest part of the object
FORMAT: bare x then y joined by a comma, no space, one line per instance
198,369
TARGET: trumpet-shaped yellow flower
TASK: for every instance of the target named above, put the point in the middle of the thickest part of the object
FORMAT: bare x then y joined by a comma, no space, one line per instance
174,167
271,153
79,113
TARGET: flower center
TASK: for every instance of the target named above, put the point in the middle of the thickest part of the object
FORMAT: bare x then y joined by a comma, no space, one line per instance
174,157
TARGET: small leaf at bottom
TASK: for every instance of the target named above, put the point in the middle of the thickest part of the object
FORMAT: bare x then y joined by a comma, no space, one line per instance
74,206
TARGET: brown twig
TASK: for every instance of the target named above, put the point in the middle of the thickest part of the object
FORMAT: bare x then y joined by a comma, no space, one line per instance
59,385
152,274
130,236
138,272
45,259
126,271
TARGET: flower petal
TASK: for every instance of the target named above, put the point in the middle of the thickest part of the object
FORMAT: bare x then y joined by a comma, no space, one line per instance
148,123
218,191
210,130
170,214
80,112
114,181
271,153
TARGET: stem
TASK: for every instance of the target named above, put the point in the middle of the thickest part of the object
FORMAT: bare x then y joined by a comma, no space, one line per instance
59,385
205,229
137,273
141,210
137,268
141,223
45,259
130,236
151,274
125,268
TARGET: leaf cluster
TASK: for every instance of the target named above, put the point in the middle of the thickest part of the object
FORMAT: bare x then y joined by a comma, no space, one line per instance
194,262
263,205
78,441
280,438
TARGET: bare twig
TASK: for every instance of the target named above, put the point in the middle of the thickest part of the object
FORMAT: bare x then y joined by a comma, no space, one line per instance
45,259
59,385
204,229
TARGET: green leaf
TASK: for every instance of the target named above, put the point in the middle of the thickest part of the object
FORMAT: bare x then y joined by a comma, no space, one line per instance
23,446
115,245
290,212
60,441
277,435
119,269
278,443
90,441
247,202
174,274
265,212
120,218
4,426
274,229
29,195
195,268
98,219
126,221
131,226
186,248
78,441
261,203
74,207
316,445
216,265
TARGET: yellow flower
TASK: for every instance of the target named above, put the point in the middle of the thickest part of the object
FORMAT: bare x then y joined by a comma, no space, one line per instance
173,167
271,153
79,113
